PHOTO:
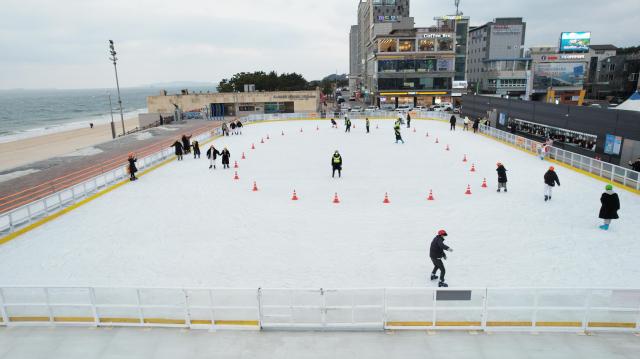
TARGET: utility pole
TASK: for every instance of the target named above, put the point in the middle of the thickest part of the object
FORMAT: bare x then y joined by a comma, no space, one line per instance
113,126
457,7
114,59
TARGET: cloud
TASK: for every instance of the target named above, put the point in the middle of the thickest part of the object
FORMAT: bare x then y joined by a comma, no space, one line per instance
63,43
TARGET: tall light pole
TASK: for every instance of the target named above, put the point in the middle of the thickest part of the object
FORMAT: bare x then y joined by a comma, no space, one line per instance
113,127
114,59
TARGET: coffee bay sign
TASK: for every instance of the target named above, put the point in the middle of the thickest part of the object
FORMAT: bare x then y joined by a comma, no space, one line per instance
294,97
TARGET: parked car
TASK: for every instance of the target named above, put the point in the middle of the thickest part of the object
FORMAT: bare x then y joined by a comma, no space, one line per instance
371,109
352,98
404,108
356,109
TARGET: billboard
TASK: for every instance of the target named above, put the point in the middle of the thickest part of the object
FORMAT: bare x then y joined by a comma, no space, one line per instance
575,41
558,74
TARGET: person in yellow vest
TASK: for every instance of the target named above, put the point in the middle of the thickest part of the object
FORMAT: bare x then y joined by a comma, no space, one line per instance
396,128
336,164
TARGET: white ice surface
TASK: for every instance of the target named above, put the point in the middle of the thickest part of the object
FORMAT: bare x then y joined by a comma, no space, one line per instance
184,225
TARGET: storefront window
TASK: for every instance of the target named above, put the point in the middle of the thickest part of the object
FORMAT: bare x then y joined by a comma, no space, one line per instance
407,65
407,45
445,65
427,65
445,44
388,45
427,45
387,66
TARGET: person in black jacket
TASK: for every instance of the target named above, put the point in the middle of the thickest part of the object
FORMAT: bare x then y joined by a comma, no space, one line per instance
196,149
239,126
610,207
367,124
212,155
225,158
186,145
550,180
436,253
408,120
347,124
452,121
178,147
336,164
635,165
333,123
476,125
502,177
132,167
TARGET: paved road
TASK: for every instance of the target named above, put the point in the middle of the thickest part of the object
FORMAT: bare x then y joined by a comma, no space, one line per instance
59,166
135,343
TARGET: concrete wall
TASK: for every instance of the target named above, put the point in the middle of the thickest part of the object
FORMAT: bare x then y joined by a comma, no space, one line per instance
304,101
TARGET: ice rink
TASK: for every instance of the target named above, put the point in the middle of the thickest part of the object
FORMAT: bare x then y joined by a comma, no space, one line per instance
186,225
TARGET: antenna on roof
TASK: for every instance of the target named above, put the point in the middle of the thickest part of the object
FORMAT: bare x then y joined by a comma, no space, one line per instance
458,8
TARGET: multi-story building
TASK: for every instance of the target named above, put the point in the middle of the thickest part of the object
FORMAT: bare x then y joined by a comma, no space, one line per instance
414,66
460,24
557,77
617,77
495,57
354,58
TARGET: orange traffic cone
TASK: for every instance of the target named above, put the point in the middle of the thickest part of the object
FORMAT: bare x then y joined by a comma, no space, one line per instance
468,189
354,126
262,140
243,157
484,183
437,140
295,196
235,177
235,165
473,167
386,199
336,200
464,159
447,149
253,147
255,187
430,198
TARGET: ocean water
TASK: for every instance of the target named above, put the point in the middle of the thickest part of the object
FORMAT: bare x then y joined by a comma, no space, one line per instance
29,113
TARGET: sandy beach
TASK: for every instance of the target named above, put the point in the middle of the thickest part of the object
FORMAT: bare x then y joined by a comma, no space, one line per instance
24,151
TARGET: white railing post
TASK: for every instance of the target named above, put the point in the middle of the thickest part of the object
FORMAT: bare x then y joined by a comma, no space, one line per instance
3,310
353,307
485,311
49,309
534,319
435,309
94,309
187,311
140,311
29,213
587,309
260,312
211,310
11,222
324,308
384,309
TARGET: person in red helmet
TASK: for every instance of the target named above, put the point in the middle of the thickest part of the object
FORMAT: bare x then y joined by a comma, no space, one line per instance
436,252
550,180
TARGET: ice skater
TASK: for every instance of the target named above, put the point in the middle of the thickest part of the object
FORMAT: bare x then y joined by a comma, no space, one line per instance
502,177
225,158
545,149
436,253
408,120
232,126
333,123
212,155
131,168
550,181
367,124
610,207
466,124
476,125
186,145
225,129
347,124
196,149
396,129
239,127
452,121
336,164
178,149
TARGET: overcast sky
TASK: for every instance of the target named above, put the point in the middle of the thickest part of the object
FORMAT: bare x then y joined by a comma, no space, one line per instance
63,43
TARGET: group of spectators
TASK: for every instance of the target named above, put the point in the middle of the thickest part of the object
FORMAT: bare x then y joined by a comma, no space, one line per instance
559,136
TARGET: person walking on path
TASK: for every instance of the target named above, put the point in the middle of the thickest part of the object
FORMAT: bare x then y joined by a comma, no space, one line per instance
476,125
336,164
550,181
225,158
347,124
436,253
178,149
452,121
196,149
212,155
132,169
367,124
610,207
396,129
408,120
502,177
466,124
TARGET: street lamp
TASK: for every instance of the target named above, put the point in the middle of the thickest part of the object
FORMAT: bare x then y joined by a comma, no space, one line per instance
113,58
113,127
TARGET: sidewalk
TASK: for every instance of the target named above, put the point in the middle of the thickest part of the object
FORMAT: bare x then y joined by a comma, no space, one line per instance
125,343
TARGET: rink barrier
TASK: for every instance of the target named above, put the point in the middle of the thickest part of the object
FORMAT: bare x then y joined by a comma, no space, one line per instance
39,212
487,309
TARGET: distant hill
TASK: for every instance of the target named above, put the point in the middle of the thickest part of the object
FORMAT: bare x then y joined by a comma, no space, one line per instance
183,84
